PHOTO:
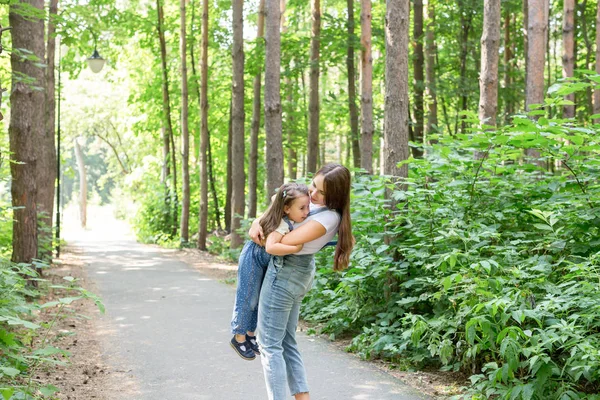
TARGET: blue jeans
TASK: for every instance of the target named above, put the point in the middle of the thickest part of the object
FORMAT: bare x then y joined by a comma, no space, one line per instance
252,266
287,281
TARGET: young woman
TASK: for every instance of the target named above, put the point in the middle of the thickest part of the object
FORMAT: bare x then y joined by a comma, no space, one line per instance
289,278
290,204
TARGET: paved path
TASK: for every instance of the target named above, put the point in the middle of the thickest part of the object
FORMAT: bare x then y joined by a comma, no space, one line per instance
167,328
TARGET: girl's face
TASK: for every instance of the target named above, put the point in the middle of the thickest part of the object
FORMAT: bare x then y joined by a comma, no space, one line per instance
316,190
298,210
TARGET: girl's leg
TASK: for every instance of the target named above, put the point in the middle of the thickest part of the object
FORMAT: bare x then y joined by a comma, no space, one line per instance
273,315
250,276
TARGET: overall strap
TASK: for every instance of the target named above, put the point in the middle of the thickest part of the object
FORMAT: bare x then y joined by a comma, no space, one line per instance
290,225
318,210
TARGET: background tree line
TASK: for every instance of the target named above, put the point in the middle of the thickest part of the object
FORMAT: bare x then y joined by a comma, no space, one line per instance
211,105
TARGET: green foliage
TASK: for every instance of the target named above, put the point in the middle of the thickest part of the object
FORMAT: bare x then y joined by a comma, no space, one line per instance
491,264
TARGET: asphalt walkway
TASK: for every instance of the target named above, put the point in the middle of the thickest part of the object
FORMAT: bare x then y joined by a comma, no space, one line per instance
167,326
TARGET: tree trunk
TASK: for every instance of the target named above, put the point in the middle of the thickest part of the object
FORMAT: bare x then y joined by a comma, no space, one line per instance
465,20
588,54
488,79
537,25
213,189
82,184
508,55
313,100
46,164
396,88
238,117
185,133
204,136
274,145
568,59
366,88
430,87
597,91
27,125
352,87
418,61
227,211
292,154
256,108
166,114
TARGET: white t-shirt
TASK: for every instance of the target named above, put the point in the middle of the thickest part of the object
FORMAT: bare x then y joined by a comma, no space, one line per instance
330,220
283,227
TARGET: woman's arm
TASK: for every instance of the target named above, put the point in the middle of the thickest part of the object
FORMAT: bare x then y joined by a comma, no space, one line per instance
276,248
306,233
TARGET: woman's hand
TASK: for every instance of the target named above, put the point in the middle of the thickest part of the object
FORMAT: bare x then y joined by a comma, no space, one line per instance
256,232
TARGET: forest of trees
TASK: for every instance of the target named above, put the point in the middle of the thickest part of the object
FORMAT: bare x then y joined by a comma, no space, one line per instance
470,127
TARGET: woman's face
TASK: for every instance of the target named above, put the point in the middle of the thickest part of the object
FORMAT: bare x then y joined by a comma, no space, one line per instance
317,192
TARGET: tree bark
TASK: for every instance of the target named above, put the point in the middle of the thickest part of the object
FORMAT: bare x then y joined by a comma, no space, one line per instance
256,113
204,136
292,154
537,25
313,87
46,165
396,88
273,128
488,79
238,117
27,126
418,75
185,133
352,87
508,56
597,91
430,86
82,184
227,212
466,18
568,59
166,114
366,88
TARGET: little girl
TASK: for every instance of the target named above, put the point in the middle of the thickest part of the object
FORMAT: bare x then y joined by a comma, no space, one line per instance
291,203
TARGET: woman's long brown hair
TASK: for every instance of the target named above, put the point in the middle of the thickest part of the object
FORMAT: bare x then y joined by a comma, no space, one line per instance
287,193
336,184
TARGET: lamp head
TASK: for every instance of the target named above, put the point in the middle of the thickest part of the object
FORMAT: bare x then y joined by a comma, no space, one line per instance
96,62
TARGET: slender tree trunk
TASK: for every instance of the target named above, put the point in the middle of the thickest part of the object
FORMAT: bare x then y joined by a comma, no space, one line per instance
366,88
508,55
352,87
204,136
597,91
418,61
430,87
396,88
227,212
166,166
537,25
82,184
488,79
568,60
46,166
256,113
167,115
213,189
27,125
588,54
292,155
465,19
185,133
274,145
313,100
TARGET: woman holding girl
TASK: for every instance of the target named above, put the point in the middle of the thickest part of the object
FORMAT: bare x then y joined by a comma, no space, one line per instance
289,278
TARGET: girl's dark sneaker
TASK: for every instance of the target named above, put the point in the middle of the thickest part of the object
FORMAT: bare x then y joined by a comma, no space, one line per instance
244,350
253,344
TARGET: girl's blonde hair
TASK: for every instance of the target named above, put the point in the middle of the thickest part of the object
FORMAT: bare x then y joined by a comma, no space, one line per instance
336,184
287,193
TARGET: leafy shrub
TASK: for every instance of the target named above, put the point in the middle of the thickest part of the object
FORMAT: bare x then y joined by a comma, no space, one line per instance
487,265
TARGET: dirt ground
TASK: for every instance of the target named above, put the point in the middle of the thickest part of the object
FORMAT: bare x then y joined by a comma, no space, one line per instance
86,377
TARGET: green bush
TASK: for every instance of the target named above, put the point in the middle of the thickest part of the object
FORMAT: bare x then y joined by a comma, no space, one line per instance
491,265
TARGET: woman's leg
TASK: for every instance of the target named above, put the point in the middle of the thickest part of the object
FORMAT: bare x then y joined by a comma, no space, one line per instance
273,315
296,373
250,275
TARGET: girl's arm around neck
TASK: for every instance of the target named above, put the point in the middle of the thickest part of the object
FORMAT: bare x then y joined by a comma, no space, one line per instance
306,233
276,248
